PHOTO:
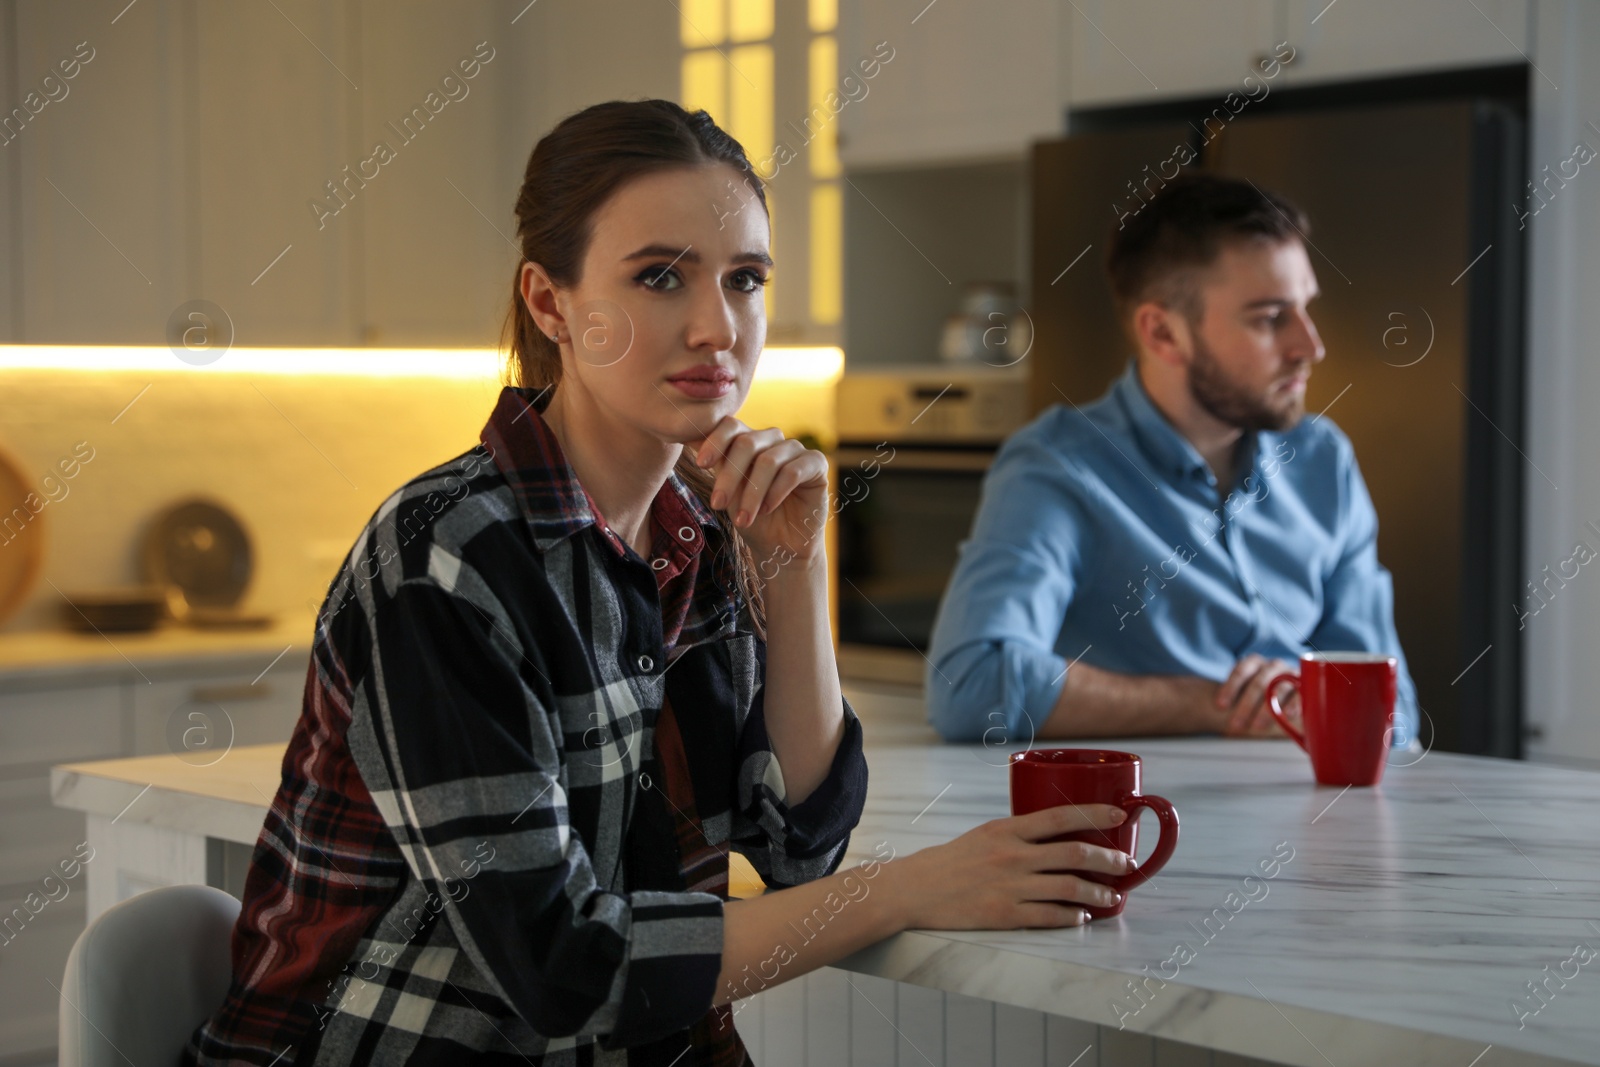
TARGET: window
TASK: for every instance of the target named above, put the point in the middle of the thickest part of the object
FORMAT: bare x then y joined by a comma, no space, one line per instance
737,62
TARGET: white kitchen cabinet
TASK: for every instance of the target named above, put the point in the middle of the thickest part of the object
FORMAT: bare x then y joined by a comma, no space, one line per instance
963,82
41,725
1372,38
1126,52
1146,51
262,158
103,223
200,715
52,716
437,235
36,953
166,175
10,224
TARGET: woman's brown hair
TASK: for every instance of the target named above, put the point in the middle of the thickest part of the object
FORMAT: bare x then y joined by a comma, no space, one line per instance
571,173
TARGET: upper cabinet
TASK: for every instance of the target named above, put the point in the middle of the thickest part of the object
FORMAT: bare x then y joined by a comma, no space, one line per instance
325,173
954,82
1366,38
438,233
101,208
970,82
1144,51
263,159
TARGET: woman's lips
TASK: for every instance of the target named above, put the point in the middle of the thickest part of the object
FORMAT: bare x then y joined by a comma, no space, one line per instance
703,388
704,383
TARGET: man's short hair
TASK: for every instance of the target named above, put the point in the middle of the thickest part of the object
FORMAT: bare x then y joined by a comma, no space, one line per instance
1159,252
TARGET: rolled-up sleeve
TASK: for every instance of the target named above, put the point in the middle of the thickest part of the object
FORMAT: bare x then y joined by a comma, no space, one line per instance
1358,595
791,845
993,672
457,748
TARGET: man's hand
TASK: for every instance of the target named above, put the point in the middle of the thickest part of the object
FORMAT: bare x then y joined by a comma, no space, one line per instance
1242,699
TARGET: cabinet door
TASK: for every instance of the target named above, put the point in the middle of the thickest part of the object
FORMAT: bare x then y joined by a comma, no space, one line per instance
964,81
47,726
1143,51
438,234
11,251
38,933
39,921
278,91
1359,38
104,222
200,716
35,835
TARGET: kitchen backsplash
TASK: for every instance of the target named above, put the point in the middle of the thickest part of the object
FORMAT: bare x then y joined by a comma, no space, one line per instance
302,460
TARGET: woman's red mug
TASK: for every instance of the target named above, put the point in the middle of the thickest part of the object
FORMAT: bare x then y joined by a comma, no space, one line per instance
1050,777
1347,711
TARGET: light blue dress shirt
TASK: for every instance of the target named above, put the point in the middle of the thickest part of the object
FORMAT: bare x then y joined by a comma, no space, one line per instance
1100,539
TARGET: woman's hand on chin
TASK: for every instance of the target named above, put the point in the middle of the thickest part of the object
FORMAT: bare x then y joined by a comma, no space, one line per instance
775,488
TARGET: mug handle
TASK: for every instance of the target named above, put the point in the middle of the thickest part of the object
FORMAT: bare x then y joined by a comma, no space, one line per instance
1168,816
1277,709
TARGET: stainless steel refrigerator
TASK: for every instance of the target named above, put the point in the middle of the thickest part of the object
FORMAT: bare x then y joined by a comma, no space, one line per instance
1415,212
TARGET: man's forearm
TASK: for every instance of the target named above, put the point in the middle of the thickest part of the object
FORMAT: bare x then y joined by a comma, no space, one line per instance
1099,703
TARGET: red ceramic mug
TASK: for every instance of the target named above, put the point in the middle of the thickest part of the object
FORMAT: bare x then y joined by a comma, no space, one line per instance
1050,777
1347,709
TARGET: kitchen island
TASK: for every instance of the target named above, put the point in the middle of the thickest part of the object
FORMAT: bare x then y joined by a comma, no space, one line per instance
1441,918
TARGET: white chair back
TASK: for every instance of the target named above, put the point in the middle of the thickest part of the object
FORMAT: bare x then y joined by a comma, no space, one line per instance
144,974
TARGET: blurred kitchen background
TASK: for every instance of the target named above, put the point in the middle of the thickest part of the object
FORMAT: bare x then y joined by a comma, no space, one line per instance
221,346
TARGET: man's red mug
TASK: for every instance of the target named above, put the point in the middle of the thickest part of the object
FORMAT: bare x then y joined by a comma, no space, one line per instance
1347,711
1050,777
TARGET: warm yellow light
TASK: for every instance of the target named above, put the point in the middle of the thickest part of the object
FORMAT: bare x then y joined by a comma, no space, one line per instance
823,15
778,362
701,23
703,84
750,20
357,362
823,364
821,123
750,99
769,294
827,253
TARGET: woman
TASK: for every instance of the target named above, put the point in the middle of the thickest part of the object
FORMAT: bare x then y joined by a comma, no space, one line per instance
549,692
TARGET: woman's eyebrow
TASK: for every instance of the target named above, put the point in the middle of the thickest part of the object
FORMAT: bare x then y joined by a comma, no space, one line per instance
688,255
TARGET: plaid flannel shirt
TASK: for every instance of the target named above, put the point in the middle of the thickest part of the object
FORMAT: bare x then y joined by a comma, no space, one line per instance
502,829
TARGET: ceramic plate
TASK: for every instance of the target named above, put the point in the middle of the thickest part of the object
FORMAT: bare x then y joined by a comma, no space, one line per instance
202,548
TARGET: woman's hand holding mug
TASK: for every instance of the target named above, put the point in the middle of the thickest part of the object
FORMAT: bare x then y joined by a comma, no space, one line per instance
1006,874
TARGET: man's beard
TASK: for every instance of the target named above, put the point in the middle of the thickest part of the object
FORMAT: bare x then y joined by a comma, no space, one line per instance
1227,402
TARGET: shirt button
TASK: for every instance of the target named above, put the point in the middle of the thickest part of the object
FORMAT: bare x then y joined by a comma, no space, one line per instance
646,663
686,533
659,563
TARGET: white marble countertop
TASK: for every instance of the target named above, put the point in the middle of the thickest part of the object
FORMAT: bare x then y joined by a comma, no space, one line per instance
1399,932
226,799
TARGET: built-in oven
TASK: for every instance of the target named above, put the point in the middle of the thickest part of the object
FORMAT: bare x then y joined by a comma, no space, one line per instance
914,445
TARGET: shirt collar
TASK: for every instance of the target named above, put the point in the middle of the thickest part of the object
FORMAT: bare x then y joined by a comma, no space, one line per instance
545,486
1167,449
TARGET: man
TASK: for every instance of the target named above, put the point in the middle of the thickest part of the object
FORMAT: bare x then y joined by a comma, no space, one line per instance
1147,563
